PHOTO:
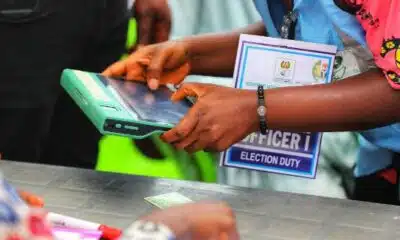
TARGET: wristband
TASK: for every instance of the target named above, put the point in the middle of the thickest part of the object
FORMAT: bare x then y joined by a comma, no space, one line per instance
143,230
261,110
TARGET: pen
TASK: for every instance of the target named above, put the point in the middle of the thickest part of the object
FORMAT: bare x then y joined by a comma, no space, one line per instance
59,220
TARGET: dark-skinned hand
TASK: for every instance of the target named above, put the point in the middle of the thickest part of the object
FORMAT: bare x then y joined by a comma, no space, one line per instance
156,64
221,117
154,21
198,221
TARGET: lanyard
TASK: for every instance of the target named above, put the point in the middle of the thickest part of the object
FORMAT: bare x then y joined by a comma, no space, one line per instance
285,28
288,27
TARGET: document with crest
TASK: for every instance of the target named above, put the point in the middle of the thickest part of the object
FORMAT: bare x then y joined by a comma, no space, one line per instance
273,63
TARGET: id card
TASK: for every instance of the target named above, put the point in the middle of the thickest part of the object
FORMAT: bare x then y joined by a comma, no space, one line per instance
273,63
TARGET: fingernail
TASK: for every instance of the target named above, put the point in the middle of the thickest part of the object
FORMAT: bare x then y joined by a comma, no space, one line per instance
153,84
144,61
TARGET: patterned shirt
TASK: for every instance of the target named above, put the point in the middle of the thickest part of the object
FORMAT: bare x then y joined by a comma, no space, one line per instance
381,21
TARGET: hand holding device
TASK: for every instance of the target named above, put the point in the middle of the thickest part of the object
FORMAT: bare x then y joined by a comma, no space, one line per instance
220,117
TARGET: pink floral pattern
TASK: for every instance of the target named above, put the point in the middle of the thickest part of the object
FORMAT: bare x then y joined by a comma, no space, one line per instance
381,21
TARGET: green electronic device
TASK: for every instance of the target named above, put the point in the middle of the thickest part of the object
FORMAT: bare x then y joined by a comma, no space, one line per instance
123,108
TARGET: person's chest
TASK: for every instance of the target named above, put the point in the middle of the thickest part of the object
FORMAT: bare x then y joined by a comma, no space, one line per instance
381,21
321,21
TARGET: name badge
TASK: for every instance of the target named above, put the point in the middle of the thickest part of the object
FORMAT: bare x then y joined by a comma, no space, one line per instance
273,63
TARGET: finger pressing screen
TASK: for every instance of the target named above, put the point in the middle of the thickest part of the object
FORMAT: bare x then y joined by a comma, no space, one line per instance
158,66
155,68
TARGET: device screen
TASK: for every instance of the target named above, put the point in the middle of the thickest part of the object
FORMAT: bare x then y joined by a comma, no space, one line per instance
154,106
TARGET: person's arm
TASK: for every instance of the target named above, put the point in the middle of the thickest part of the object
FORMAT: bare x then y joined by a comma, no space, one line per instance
223,116
172,61
153,19
361,102
215,54
357,103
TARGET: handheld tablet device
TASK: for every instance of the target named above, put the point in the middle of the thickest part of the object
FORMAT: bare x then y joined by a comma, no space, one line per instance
124,108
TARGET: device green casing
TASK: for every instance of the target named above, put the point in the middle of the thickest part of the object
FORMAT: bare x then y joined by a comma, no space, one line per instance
97,102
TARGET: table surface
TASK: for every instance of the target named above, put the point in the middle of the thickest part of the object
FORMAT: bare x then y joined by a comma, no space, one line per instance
118,199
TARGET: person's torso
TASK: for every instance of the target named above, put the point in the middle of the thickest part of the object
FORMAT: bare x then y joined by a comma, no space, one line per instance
381,20
35,47
321,21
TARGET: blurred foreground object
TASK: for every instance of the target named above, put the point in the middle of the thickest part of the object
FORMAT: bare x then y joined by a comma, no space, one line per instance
198,221
17,220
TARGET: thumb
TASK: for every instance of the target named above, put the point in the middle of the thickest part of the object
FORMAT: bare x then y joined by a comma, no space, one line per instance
188,90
